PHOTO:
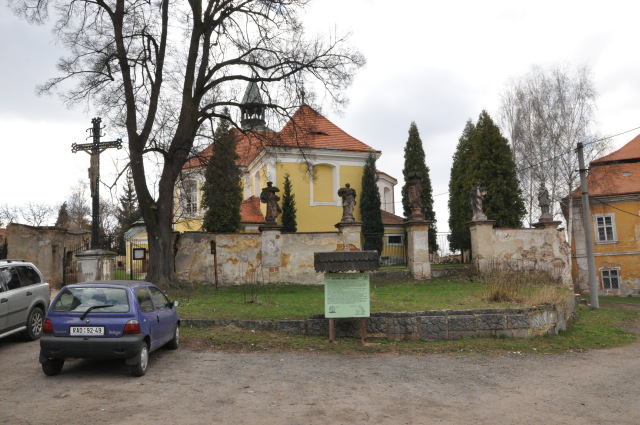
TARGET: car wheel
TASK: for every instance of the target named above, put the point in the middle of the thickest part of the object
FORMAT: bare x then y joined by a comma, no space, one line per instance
52,367
175,342
140,368
34,324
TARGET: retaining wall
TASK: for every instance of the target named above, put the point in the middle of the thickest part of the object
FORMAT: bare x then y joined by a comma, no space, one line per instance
424,325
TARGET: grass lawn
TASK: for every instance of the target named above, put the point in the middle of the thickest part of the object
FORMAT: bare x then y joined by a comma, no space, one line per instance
606,327
273,302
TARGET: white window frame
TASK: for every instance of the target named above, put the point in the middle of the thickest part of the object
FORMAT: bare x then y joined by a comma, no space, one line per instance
608,275
189,198
599,222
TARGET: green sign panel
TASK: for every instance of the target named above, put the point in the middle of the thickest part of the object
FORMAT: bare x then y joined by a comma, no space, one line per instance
346,295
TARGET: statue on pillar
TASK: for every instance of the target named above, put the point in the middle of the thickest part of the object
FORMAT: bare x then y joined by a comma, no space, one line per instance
348,195
414,194
476,197
544,202
268,196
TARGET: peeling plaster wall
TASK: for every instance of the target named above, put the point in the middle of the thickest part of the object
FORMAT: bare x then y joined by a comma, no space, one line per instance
43,246
543,249
240,256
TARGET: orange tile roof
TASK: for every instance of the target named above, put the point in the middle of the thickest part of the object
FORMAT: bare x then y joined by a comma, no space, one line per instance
630,151
307,128
391,219
613,179
250,211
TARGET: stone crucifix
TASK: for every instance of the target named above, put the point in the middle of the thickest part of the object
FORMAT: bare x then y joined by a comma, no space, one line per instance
95,149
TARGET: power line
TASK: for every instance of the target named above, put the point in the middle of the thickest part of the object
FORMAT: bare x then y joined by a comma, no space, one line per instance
614,207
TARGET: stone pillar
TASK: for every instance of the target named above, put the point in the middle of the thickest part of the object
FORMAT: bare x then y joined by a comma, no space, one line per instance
271,250
418,249
482,255
556,239
351,235
95,264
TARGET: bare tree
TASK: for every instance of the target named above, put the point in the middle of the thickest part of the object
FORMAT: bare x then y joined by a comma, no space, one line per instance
546,113
78,208
8,214
161,69
36,214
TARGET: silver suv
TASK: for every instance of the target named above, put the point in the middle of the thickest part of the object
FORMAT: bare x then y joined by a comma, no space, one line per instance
24,297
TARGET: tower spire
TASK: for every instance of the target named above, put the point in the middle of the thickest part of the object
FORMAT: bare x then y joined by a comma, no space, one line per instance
252,109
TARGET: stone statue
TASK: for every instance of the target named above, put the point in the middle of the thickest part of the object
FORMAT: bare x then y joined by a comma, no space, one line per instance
544,202
348,195
476,196
93,174
414,195
268,196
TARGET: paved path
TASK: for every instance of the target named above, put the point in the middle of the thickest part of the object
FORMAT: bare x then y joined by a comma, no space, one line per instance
187,387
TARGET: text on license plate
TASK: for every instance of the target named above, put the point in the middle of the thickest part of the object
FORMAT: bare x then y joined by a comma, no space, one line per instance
86,330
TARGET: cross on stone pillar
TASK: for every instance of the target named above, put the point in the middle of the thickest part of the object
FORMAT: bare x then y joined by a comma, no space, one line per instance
95,149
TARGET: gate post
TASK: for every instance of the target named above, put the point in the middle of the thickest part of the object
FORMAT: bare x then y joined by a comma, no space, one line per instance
95,264
418,249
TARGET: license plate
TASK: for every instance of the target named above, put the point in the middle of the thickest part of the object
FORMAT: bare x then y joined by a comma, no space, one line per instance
86,330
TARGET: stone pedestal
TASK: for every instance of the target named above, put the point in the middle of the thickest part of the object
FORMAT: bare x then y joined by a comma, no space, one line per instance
351,235
418,249
482,244
95,264
271,250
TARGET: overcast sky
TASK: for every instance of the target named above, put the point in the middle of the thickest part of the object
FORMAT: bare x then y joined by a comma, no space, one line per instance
435,63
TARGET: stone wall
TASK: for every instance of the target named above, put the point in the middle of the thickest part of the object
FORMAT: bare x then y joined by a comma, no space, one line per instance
242,258
43,246
543,248
424,325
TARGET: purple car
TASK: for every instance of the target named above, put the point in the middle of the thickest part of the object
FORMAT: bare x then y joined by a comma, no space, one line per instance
108,319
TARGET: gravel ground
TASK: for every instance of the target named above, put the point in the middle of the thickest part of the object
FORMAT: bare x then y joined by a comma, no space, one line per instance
188,387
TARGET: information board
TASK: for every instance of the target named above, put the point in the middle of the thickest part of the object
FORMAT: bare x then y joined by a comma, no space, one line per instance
346,295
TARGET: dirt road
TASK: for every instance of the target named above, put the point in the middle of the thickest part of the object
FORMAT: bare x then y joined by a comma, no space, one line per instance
187,387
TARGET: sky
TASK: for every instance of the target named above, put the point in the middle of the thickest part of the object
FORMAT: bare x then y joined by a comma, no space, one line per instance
437,64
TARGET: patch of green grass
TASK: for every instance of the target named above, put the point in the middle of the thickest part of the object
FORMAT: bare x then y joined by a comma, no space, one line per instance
273,302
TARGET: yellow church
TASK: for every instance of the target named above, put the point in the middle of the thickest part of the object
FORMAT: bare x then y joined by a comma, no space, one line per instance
319,158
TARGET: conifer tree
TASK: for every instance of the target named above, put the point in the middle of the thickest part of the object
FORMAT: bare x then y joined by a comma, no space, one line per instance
63,219
370,204
127,213
221,192
414,160
483,156
459,186
289,223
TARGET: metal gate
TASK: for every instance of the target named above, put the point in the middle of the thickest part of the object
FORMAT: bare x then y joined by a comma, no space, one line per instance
391,246
70,263
133,265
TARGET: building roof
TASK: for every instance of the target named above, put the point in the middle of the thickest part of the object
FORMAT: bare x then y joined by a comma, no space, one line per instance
389,219
617,173
250,211
307,128
628,153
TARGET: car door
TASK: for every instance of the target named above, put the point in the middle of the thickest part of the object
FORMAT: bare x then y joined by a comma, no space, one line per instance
5,277
165,315
150,319
18,300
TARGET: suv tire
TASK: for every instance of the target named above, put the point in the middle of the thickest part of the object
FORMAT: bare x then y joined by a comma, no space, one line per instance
35,320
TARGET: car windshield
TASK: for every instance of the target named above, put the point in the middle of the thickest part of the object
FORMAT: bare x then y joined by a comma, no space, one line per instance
100,299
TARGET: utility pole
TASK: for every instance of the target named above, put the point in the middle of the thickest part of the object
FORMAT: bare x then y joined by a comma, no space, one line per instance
95,149
588,230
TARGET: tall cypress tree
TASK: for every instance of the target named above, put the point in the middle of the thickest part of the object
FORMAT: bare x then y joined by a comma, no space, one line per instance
289,223
459,186
414,160
63,219
370,205
221,191
483,155
493,167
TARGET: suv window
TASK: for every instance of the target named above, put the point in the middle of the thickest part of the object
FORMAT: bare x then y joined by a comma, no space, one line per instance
159,299
9,279
29,275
